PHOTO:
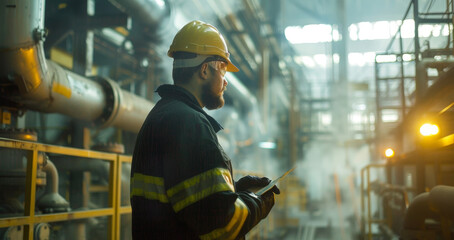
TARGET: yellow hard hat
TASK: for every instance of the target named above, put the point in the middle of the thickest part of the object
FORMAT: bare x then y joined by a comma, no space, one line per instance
203,39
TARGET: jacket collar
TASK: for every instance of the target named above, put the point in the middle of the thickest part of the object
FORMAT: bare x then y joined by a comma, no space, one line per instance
183,95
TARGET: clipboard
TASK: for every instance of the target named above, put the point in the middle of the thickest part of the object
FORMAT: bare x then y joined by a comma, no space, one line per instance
272,183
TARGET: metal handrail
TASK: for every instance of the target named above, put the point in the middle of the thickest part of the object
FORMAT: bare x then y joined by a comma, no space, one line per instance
369,214
114,210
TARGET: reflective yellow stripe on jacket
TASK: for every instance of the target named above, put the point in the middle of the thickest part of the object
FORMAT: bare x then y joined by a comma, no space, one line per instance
200,187
233,227
149,187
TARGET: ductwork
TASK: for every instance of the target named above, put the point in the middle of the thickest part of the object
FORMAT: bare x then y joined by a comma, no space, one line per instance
32,82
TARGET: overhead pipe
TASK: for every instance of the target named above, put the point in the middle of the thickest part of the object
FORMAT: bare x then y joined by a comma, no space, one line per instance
150,26
149,12
42,85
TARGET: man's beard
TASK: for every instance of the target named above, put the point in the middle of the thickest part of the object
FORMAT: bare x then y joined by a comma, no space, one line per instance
211,100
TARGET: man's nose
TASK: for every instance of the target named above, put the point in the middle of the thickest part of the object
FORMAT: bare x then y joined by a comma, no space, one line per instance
225,82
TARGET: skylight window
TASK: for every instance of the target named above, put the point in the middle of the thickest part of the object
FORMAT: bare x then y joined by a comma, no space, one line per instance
324,61
389,115
313,33
319,33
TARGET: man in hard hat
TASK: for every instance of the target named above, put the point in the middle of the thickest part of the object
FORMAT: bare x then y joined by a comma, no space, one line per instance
181,179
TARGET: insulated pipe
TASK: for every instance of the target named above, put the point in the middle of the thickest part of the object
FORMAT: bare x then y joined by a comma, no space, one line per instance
417,212
149,12
438,202
52,201
20,19
39,84
51,170
441,199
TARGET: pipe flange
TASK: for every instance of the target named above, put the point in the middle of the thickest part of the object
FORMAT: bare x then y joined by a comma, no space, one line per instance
40,34
113,99
23,134
42,231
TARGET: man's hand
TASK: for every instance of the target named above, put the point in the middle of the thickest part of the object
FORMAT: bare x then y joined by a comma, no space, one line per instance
253,184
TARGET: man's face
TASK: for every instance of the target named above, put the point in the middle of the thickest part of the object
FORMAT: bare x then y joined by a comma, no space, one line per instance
213,90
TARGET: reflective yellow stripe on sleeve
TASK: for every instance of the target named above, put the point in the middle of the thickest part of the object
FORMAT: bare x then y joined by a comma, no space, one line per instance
233,227
200,187
149,187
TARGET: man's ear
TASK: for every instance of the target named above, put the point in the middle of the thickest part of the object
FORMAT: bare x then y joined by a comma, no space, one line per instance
203,71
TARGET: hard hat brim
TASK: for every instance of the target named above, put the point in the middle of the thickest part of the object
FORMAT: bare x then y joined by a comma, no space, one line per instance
231,67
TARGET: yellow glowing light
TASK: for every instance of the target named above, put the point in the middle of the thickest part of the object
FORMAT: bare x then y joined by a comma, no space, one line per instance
434,129
389,152
428,129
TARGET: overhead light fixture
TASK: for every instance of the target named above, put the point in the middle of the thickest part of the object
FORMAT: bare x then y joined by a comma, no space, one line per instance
267,145
389,153
428,129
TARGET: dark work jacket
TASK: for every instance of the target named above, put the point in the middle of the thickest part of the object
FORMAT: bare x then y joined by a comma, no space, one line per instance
182,180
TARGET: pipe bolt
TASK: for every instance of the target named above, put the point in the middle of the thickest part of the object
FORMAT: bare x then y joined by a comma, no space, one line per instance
40,34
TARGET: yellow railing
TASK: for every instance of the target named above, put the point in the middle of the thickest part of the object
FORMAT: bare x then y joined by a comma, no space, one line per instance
113,211
395,201
369,219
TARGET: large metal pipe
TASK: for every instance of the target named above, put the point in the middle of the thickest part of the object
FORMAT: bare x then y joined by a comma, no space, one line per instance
32,82
149,12
441,201
434,204
417,212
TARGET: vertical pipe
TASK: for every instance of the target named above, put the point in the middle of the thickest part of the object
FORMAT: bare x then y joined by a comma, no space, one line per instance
264,79
362,204
420,80
369,214
19,21
292,122
341,91
400,137
402,79
51,170
378,112
416,17
83,40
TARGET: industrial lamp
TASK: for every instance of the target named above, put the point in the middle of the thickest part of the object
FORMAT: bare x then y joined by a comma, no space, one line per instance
389,153
428,129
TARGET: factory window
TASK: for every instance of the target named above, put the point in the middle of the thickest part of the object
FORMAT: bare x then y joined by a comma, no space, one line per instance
390,115
324,61
325,118
312,33
357,118
320,33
